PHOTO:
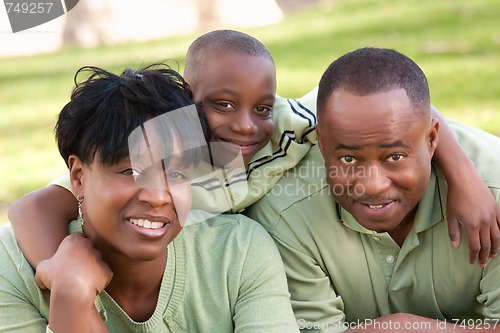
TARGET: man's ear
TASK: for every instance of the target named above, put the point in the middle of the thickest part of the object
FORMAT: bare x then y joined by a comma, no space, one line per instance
76,173
433,136
320,140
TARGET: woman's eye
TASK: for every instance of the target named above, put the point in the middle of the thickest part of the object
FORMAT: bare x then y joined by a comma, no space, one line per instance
396,157
131,172
348,159
178,176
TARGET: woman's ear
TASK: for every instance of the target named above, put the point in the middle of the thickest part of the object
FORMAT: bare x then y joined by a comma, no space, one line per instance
76,174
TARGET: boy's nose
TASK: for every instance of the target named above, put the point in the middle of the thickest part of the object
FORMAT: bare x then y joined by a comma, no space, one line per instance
243,123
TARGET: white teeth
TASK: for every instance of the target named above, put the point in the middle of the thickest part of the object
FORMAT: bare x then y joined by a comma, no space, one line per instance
375,207
147,224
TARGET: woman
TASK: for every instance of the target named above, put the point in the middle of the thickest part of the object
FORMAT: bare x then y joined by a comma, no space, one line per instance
135,267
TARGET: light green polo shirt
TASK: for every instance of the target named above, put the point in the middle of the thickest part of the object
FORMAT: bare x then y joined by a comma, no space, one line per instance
224,275
235,189
340,273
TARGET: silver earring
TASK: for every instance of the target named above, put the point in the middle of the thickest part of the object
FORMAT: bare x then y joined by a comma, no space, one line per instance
80,213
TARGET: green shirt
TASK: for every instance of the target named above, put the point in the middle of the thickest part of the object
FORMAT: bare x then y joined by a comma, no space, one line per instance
235,189
340,273
224,275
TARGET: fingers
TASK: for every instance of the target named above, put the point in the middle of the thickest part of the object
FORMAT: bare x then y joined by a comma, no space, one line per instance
474,241
39,275
454,231
484,253
495,238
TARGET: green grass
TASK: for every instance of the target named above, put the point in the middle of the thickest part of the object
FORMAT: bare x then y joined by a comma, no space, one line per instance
457,44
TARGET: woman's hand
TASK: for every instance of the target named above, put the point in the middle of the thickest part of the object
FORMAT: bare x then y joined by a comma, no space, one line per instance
76,274
75,265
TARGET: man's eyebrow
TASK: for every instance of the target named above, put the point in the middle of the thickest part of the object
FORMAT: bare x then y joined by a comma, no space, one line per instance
341,146
397,143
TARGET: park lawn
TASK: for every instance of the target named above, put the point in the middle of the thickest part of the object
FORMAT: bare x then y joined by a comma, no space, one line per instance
457,44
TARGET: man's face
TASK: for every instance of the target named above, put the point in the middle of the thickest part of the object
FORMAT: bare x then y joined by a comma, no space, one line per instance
378,153
237,92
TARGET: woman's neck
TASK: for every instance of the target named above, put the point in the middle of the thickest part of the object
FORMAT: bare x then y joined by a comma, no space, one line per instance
135,285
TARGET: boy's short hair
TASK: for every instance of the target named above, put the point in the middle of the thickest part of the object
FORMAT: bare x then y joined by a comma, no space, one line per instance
219,41
105,108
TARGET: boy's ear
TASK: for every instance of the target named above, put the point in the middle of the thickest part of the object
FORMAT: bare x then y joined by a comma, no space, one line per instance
76,174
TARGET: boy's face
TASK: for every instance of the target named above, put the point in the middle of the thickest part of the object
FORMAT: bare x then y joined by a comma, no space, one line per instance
237,92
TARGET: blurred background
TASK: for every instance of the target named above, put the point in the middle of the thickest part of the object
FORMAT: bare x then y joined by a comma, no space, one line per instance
457,44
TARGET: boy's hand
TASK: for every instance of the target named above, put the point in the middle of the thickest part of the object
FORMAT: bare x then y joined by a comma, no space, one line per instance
75,266
471,203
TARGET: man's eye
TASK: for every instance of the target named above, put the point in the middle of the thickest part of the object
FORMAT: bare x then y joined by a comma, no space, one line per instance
348,159
396,157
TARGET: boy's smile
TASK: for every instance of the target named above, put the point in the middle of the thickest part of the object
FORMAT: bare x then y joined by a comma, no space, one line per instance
237,92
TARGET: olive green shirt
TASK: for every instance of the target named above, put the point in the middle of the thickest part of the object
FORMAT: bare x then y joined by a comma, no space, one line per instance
340,273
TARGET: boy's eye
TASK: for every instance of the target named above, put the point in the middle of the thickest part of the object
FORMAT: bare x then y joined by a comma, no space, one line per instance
348,159
223,106
264,110
396,157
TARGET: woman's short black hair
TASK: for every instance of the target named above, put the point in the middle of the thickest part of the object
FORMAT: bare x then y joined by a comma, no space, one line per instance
105,108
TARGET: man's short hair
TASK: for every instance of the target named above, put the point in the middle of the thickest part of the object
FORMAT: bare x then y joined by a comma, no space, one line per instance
371,70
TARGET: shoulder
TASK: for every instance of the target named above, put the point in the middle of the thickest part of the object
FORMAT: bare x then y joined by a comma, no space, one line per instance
227,229
9,250
483,149
306,103
297,184
16,275
14,265
296,115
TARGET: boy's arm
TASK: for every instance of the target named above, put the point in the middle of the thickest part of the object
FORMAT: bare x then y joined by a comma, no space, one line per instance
40,221
469,202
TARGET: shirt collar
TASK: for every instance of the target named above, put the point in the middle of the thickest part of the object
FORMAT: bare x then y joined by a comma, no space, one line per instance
265,152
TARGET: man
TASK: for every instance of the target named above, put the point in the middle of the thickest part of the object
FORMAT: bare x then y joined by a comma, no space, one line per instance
367,249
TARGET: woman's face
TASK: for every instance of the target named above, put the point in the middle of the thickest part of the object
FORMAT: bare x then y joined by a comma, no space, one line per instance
134,212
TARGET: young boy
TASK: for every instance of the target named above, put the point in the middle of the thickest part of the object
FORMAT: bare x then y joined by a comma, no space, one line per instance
233,78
